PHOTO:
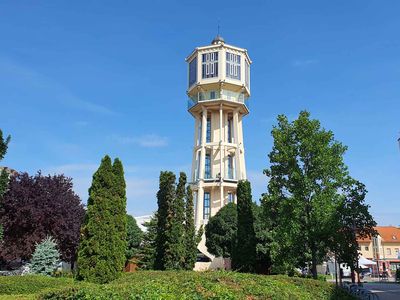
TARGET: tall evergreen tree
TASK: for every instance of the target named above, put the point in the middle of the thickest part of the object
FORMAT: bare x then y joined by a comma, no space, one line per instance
177,231
164,258
119,214
101,255
191,239
244,254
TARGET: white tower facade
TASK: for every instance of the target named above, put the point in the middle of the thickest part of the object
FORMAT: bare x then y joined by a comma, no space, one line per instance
219,87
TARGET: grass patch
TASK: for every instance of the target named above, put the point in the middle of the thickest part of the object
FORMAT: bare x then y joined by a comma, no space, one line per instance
172,285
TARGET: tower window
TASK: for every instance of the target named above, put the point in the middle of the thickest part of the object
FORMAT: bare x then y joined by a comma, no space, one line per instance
206,210
247,74
207,169
230,198
209,65
232,65
212,95
230,167
193,71
208,135
230,130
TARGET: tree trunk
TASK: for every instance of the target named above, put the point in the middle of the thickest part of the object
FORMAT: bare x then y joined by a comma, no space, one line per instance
314,262
353,277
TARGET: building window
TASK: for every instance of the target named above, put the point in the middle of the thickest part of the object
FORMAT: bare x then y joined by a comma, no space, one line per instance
208,136
206,210
207,171
230,130
396,250
230,198
212,95
247,74
366,248
209,65
232,65
193,71
230,167
388,251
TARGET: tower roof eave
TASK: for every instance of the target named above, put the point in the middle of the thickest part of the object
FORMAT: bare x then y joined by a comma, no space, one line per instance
188,58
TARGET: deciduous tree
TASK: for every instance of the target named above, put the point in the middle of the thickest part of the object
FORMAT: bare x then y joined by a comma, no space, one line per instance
306,171
221,231
35,207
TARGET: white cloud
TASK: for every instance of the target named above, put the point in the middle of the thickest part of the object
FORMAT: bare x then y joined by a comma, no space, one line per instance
147,141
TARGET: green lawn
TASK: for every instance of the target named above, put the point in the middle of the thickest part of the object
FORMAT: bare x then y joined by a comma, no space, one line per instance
171,285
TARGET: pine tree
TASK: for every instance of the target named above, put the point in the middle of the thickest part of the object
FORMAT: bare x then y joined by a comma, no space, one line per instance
244,254
119,219
46,257
165,214
147,250
190,232
101,255
134,236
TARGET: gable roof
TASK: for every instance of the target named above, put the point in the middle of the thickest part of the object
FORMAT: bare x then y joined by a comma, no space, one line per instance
389,234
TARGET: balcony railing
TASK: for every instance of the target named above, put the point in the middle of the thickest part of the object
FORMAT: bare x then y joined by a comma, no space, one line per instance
216,95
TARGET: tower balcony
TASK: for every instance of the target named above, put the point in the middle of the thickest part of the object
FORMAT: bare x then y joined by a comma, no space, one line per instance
226,97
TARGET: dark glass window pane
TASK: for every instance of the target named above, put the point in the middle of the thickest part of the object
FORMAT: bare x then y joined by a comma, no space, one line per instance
208,136
193,71
207,171
206,204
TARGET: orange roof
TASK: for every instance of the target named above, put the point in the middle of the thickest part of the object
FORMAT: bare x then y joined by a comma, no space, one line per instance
389,234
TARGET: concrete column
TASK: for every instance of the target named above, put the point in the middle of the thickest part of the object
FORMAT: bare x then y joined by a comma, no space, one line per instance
194,159
199,206
241,150
236,137
221,150
203,143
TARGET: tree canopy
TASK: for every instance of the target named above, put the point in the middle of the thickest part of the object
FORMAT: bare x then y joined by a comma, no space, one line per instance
134,237
37,206
306,176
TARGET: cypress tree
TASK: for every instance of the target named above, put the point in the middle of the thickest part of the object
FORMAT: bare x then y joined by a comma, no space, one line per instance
99,256
177,232
120,221
165,214
147,250
191,240
244,254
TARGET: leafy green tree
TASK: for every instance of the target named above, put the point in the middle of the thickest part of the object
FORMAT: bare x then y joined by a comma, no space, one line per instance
264,240
147,250
244,254
164,259
306,171
191,238
134,237
101,255
3,173
221,231
46,257
351,221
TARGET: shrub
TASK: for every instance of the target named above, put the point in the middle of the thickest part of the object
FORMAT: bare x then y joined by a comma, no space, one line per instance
46,257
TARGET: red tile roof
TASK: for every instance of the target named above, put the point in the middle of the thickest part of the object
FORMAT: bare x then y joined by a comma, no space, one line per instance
389,234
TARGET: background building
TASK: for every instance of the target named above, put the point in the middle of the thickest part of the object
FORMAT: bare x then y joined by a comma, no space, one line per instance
384,248
218,90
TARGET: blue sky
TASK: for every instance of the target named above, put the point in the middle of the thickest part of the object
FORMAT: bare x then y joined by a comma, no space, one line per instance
81,79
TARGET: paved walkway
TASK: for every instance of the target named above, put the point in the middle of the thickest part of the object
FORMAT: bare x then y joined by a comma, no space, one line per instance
385,291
